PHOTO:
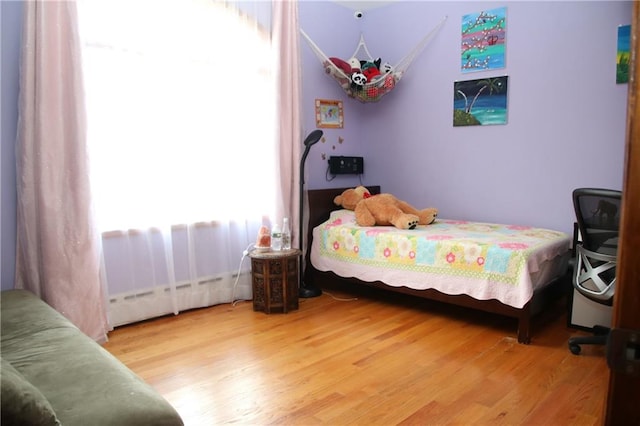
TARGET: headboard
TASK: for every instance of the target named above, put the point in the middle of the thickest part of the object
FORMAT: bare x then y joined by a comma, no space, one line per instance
320,207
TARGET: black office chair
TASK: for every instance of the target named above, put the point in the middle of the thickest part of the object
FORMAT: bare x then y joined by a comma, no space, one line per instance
594,272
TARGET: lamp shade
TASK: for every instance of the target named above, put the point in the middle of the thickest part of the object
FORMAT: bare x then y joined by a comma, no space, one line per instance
313,137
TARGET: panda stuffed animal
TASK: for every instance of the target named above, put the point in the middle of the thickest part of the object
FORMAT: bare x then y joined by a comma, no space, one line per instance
358,80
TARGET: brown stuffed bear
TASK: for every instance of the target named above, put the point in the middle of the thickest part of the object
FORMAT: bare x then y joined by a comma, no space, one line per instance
383,209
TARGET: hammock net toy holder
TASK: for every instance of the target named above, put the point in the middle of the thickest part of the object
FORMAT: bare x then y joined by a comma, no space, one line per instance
352,80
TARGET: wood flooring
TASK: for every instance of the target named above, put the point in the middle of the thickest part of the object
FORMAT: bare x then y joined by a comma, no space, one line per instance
382,359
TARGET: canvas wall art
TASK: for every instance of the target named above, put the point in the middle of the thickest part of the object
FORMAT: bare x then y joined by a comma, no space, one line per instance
622,62
483,40
480,102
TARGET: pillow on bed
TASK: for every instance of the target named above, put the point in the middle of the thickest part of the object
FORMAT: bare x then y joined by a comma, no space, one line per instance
22,403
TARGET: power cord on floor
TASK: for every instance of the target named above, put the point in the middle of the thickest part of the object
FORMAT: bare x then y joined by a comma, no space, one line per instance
340,299
235,284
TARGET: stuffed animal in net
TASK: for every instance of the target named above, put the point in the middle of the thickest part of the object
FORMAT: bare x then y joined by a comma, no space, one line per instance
383,209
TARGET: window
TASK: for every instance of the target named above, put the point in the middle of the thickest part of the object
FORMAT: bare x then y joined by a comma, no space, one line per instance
180,108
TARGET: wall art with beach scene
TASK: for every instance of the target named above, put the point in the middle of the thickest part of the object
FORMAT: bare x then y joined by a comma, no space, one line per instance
483,40
622,61
480,102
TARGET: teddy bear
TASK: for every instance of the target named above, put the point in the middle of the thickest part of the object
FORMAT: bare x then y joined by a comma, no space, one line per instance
383,209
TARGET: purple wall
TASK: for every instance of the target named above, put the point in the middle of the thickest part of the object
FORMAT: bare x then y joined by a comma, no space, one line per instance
566,114
566,124
10,30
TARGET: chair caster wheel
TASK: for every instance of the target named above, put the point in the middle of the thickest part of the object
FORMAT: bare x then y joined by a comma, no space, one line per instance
575,349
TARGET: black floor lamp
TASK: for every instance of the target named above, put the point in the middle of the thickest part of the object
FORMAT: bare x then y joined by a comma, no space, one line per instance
306,290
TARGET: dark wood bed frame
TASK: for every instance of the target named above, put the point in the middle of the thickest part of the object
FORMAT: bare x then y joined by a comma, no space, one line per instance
321,205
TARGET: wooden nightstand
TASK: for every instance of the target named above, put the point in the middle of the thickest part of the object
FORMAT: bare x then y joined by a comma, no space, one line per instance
275,278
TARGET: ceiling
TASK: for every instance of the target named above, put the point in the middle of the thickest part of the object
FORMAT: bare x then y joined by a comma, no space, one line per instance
362,5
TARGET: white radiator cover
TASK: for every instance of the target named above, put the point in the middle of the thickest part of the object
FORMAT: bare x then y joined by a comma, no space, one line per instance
142,304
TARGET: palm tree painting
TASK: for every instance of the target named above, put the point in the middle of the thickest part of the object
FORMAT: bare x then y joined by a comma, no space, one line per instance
480,102
622,63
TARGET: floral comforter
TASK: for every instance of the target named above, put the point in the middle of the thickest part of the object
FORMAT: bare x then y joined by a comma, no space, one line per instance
483,260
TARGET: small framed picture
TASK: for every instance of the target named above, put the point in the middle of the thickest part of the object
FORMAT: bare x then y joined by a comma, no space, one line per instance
329,114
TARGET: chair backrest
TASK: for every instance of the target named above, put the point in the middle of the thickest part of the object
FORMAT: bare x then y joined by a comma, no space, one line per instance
598,216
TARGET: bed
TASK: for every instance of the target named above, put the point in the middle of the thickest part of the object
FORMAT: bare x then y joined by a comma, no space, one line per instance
503,269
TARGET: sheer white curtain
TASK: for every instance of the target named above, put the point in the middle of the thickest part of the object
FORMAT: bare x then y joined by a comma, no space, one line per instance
182,129
57,253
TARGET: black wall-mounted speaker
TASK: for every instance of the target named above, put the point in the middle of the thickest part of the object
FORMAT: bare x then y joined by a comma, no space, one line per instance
346,165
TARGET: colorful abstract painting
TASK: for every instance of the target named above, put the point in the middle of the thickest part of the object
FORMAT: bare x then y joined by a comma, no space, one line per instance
483,40
480,102
622,62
